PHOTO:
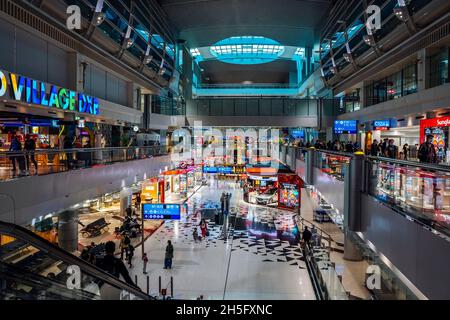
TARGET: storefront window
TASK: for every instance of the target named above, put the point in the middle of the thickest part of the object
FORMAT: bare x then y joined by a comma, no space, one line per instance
410,79
438,64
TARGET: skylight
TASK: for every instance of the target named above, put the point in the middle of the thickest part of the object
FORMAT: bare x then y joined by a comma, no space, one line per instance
247,50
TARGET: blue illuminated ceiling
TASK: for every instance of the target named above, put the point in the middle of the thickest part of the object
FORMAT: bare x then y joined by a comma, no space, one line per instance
247,50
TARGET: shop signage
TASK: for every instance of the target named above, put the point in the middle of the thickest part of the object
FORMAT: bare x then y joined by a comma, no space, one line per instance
428,125
381,125
32,91
161,211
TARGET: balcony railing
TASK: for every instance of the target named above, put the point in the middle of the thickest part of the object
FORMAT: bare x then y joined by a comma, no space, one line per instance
20,164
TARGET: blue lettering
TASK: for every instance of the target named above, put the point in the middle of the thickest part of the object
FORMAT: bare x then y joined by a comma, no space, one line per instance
81,103
44,100
53,101
28,89
89,104
34,93
96,106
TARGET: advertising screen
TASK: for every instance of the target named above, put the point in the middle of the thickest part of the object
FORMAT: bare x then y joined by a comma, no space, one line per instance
381,124
161,211
345,126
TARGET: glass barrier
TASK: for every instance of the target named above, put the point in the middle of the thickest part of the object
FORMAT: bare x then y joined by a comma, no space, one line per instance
333,164
52,275
419,191
15,164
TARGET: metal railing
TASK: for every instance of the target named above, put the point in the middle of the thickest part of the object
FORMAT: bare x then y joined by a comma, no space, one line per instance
16,164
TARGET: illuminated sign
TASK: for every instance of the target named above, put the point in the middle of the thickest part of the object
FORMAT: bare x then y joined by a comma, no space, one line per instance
161,211
31,91
345,126
381,125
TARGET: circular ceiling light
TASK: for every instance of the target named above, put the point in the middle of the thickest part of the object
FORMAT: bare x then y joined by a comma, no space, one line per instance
247,50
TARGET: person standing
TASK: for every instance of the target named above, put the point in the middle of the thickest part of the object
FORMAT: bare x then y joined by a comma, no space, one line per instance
405,151
124,243
114,265
130,254
15,147
375,148
384,146
138,201
169,255
391,150
30,148
427,151
306,236
203,228
145,261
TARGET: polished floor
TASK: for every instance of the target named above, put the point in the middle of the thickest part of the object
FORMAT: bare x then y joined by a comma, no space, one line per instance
258,259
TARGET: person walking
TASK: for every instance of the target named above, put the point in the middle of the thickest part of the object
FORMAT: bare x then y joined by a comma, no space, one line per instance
306,236
114,265
384,146
427,151
391,150
145,261
30,148
130,254
169,255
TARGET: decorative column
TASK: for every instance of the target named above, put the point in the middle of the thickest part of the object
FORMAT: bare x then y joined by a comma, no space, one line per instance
68,230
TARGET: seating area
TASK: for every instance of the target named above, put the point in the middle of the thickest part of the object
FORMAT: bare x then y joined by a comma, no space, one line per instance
95,228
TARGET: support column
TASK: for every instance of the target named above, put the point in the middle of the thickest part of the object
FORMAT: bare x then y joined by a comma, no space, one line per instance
354,182
309,162
422,70
125,200
68,230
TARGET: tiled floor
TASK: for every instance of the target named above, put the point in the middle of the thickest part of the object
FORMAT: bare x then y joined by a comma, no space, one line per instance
257,261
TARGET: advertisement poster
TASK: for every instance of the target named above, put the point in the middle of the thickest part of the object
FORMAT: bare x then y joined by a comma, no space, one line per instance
289,190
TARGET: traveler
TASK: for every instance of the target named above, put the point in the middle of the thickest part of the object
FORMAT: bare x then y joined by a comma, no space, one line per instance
138,201
30,147
145,261
130,254
427,151
203,228
169,255
375,148
114,265
405,151
384,146
15,147
195,235
124,243
306,236
391,150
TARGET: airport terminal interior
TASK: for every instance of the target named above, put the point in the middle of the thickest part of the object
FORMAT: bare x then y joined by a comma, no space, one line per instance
224,150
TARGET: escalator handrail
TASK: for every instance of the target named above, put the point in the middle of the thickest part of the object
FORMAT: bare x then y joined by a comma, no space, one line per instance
24,234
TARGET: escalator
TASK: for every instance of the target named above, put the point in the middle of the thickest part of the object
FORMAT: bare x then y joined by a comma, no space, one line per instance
31,268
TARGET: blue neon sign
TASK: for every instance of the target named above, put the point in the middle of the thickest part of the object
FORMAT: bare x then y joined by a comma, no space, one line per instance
382,123
161,211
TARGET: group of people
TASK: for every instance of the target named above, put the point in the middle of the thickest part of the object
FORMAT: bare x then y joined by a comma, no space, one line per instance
425,153
337,145
18,160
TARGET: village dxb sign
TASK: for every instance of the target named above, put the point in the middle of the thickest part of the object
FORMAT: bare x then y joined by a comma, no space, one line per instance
24,89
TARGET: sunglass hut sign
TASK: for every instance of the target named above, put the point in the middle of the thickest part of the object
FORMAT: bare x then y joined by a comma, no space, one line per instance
35,92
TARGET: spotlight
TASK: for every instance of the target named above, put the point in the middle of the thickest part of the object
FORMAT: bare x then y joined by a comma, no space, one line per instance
369,40
128,43
347,57
148,59
100,18
401,13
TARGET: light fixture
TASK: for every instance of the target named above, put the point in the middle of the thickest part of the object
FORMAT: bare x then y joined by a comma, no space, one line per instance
347,57
162,71
128,40
100,18
369,40
334,70
402,13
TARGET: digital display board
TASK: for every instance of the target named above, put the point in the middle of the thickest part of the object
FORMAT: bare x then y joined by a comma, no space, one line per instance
298,134
345,126
161,211
222,170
